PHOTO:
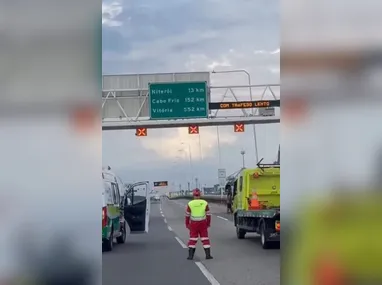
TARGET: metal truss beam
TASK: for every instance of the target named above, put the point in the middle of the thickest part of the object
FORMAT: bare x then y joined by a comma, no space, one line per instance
221,121
126,107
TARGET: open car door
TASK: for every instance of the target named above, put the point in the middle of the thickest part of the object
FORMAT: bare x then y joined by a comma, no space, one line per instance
137,207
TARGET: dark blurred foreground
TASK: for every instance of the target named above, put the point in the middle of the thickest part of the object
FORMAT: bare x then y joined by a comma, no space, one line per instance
59,264
331,139
50,147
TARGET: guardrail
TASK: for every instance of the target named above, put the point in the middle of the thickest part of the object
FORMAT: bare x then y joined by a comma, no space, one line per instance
208,198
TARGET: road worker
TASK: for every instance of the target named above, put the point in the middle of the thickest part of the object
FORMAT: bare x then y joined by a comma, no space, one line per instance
229,198
198,220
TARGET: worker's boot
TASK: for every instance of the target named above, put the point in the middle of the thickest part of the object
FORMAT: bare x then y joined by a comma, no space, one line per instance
208,253
191,252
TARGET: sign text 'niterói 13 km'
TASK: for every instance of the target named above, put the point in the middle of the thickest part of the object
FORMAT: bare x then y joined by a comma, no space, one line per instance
178,100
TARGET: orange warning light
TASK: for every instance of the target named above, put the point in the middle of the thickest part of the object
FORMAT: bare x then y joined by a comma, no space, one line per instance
141,132
239,128
193,130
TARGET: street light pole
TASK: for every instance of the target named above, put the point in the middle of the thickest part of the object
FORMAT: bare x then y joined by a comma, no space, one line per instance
193,174
220,161
238,71
190,159
219,152
200,148
183,171
251,98
243,154
189,154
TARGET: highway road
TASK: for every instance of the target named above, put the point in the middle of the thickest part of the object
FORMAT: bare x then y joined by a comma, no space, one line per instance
160,256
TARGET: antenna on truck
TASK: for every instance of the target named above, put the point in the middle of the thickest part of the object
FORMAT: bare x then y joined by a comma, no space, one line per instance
262,166
276,164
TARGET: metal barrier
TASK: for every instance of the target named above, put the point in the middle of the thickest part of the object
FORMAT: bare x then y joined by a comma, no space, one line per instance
208,198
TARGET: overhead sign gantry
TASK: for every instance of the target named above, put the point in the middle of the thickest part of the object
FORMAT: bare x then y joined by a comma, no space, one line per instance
172,100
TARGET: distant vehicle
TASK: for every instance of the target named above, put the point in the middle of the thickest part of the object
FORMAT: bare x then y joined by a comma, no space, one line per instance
155,198
256,203
114,225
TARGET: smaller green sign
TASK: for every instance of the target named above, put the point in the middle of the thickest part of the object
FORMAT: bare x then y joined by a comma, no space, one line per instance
178,100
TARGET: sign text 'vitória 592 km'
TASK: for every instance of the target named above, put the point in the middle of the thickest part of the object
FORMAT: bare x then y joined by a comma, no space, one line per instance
178,100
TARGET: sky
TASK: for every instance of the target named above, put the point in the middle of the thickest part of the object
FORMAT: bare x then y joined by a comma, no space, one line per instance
151,36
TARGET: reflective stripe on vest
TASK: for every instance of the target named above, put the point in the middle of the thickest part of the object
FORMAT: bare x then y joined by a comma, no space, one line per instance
198,209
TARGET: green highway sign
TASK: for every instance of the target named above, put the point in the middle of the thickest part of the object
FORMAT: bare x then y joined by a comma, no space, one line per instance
178,100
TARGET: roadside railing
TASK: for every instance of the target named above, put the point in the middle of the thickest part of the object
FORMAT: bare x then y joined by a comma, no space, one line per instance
209,198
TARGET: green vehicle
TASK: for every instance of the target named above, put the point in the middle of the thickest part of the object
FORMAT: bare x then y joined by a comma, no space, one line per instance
125,209
256,203
114,225
337,240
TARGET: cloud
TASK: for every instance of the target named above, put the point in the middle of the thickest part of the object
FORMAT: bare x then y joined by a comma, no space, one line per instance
275,69
151,36
178,144
157,157
232,59
110,11
165,36
265,52
197,62
277,51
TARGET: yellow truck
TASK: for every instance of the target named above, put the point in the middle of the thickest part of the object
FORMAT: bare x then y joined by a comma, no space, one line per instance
256,203
337,240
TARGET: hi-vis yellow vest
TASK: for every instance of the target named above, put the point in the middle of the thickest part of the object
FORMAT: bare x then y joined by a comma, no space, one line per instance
198,209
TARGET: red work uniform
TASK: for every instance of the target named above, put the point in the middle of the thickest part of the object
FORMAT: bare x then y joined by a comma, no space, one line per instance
198,220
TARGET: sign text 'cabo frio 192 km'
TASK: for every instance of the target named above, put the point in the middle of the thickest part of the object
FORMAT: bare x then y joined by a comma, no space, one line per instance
178,100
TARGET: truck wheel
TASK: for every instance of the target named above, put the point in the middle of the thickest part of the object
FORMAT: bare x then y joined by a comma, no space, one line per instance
108,243
264,243
122,238
240,233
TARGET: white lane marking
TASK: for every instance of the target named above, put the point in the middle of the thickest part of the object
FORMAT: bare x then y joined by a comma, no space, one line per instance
165,221
180,204
169,228
207,274
180,242
225,219
162,215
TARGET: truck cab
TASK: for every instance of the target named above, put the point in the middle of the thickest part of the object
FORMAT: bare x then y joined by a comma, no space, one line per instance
256,203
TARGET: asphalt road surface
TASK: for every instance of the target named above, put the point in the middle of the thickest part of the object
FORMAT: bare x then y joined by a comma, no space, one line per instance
160,256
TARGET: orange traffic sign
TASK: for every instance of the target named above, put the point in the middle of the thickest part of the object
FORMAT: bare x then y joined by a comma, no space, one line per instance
239,128
141,132
193,130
